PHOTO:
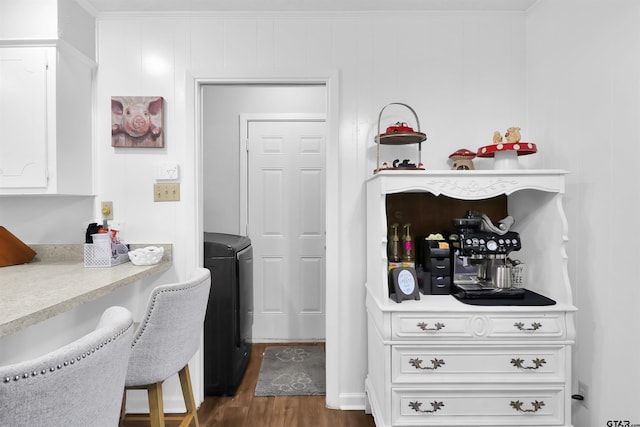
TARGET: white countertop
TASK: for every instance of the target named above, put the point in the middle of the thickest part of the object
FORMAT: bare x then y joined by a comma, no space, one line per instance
57,281
450,304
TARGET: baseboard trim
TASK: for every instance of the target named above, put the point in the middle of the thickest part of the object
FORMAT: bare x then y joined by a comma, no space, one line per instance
352,401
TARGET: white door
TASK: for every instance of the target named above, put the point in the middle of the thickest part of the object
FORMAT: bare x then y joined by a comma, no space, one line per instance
286,224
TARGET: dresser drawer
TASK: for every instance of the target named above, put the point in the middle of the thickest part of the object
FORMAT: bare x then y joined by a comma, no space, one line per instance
478,364
551,325
426,326
502,406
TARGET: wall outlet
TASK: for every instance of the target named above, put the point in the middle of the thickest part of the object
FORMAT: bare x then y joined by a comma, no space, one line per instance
106,209
169,192
583,390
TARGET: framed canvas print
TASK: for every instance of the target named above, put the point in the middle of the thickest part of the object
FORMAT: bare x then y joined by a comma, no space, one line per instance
137,121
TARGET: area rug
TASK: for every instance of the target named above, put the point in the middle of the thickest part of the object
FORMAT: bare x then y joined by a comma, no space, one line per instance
292,371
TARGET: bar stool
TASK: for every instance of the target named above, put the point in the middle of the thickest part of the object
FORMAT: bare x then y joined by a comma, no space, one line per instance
165,341
79,384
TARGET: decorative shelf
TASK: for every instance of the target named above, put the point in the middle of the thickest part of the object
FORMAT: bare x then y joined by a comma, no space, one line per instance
399,138
403,138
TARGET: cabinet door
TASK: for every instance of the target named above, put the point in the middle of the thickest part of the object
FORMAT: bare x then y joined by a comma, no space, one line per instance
23,117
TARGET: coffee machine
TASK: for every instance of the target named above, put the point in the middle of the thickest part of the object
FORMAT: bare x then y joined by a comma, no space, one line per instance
480,252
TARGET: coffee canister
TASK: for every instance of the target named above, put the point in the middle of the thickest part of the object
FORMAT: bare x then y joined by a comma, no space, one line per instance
503,277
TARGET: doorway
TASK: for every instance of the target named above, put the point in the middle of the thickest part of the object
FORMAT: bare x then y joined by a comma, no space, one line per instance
329,86
226,188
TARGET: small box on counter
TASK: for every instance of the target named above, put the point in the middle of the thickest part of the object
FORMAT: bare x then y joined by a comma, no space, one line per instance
103,248
440,285
434,265
96,255
104,251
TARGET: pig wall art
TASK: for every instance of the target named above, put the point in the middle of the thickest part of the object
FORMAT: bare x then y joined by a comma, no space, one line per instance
136,121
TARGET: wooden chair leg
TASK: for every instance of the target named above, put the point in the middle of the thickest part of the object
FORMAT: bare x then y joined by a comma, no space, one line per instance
123,408
191,418
156,408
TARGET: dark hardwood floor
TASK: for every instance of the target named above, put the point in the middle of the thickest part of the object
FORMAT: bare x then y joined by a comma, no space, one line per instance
246,410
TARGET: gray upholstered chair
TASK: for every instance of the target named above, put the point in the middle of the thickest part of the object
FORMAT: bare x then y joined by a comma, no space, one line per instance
165,341
79,384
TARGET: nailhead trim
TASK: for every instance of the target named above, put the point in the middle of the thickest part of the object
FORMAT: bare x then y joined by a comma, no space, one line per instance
143,327
66,362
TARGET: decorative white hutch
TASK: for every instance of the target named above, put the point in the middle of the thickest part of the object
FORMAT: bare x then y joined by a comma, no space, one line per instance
440,362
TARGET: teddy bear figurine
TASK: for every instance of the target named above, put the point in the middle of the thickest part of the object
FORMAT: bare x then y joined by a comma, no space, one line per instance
513,134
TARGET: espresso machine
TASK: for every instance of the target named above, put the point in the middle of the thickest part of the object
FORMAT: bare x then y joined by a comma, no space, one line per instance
480,252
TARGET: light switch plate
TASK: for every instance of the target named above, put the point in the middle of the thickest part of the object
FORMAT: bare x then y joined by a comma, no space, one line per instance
169,192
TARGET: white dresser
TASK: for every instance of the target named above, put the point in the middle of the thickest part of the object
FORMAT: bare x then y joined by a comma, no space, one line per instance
440,362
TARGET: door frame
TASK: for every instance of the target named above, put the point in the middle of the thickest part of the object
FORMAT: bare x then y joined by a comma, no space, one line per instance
332,215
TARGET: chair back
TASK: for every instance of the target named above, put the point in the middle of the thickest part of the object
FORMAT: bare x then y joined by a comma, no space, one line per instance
169,335
79,384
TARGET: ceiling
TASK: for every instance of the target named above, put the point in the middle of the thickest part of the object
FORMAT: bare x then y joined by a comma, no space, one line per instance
135,6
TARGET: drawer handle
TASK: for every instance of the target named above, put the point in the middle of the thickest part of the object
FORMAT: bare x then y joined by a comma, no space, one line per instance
417,363
435,406
534,326
538,363
537,405
424,326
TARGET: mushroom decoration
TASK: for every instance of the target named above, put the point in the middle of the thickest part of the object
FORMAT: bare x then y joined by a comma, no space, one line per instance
505,156
462,159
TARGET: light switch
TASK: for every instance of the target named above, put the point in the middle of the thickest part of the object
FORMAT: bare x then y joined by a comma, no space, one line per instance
169,192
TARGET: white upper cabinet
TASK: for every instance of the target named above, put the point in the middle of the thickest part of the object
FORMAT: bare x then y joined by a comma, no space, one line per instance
23,118
45,121
46,101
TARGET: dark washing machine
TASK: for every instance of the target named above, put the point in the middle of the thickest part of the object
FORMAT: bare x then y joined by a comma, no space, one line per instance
227,325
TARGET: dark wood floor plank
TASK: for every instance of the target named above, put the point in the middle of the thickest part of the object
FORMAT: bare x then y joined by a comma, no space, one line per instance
246,410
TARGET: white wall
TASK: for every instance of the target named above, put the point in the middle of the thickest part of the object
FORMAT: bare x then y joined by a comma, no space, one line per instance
47,219
42,22
222,105
464,74
583,82
77,27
